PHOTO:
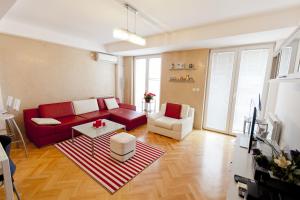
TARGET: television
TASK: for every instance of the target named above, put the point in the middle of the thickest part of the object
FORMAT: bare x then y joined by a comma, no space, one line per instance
251,139
246,141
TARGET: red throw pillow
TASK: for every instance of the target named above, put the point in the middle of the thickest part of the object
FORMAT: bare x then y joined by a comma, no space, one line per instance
173,110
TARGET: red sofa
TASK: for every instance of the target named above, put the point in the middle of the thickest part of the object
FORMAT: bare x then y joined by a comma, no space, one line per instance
42,135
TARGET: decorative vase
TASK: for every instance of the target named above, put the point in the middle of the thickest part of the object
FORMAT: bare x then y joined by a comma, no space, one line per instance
147,100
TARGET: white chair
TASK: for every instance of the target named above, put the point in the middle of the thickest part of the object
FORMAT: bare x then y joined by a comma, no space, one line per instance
171,127
12,125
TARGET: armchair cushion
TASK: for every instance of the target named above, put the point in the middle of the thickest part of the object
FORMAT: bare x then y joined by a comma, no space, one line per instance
173,110
165,122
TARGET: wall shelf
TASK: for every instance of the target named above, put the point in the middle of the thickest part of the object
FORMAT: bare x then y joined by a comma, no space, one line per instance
177,69
182,80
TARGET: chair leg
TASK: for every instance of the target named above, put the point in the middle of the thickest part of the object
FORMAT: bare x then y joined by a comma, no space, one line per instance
21,136
16,192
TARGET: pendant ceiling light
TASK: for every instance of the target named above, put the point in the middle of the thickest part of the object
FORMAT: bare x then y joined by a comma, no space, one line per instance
125,34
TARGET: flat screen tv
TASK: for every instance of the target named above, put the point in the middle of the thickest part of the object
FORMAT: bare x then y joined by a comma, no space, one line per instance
252,130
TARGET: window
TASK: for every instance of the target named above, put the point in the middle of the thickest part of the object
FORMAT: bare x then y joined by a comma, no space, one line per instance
285,59
147,73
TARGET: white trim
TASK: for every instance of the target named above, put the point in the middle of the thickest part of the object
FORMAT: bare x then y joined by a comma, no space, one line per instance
287,41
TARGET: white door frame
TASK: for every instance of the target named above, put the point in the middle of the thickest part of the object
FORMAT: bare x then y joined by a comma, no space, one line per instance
234,82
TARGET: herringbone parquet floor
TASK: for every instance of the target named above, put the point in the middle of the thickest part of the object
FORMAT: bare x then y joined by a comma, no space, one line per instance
193,169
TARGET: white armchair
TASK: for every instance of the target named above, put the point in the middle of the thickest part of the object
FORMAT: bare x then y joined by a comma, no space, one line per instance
171,127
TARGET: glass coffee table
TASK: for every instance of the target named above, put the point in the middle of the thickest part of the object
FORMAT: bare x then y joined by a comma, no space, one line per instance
88,130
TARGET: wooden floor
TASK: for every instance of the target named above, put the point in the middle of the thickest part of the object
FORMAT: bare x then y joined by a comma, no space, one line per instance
195,168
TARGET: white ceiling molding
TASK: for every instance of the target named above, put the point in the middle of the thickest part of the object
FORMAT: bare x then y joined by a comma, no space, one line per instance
5,5
282,22
236,40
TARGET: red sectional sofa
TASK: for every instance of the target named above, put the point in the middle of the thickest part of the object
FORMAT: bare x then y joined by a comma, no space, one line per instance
64,112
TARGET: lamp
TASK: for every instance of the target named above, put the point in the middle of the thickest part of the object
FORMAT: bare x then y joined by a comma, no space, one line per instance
126,35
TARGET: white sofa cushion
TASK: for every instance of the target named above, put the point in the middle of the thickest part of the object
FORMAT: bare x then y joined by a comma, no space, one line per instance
111,103
184,111
85,106
165,122
45,121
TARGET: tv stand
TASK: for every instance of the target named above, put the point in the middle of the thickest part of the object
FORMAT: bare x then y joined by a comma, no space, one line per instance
242,165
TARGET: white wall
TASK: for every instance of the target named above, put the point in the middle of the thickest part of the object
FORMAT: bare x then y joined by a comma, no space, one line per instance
287,110
40,72
5,5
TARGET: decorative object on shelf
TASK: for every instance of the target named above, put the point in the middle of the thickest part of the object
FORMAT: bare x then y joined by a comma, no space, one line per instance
181,66
172,66
187,78
148,96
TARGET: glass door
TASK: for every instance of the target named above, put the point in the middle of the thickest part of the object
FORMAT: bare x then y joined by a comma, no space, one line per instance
140,69
219,90
147,76
236,79
250,85
154,73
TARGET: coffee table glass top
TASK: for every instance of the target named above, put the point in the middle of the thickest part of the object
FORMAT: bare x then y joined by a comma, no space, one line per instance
88,129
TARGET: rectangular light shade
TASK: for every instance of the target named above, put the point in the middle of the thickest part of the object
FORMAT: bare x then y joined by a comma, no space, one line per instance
121,34
128,36
137,39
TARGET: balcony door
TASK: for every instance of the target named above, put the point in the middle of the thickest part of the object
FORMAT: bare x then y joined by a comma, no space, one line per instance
236,79
147,76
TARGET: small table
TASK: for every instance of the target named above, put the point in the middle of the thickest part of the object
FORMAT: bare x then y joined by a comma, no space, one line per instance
88,130
149,107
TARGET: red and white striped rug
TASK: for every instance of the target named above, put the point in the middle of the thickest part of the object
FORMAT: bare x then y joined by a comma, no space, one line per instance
102,167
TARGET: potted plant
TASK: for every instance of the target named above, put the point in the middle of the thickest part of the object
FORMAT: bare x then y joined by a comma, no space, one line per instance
283,166
148,96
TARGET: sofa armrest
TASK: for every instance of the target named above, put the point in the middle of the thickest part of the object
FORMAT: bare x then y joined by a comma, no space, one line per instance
30,127
30,113
153,117
184,125
127,106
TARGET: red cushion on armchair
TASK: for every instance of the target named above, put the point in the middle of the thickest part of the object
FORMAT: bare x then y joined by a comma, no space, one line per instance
173,110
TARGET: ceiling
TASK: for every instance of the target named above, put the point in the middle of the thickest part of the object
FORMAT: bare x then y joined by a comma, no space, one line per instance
90,23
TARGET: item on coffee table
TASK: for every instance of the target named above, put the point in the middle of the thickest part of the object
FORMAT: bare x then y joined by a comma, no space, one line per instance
97,123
